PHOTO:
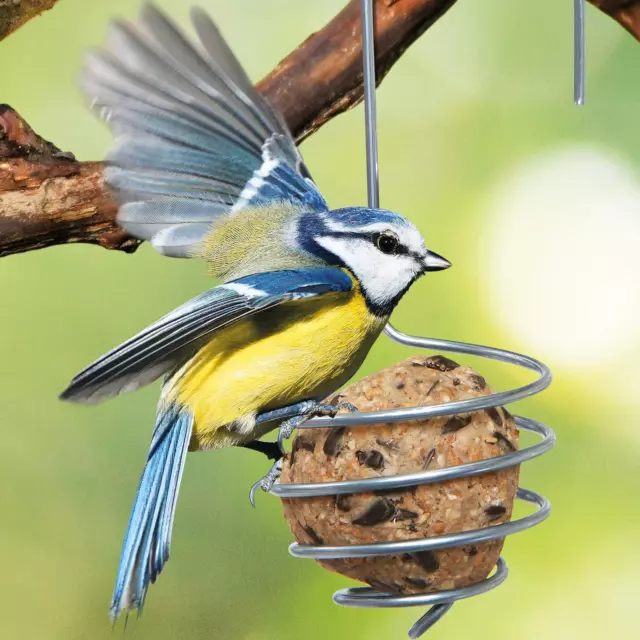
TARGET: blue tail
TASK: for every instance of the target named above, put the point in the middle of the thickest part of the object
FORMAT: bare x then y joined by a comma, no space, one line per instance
146,544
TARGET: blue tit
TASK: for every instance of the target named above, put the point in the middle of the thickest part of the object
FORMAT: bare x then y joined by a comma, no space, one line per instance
203,167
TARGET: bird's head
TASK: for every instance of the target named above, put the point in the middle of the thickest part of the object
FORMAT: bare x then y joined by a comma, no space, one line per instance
383,250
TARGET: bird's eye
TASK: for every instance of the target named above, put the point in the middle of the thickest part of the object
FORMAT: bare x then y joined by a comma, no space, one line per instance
386,243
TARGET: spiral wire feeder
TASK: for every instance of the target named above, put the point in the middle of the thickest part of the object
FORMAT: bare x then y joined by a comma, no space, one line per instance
440,601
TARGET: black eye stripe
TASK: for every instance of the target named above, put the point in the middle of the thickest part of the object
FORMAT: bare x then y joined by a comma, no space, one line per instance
369,237
401,249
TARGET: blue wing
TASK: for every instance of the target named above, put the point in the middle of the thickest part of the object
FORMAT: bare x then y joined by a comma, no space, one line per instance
194,140
168,343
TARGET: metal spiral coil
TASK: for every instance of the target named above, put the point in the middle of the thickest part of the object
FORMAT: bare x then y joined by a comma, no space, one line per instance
440,601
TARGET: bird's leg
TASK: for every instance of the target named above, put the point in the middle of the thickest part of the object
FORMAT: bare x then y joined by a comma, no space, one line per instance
269,449
317,410
286,412
273,450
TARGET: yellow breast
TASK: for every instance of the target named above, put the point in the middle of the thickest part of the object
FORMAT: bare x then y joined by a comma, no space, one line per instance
299,350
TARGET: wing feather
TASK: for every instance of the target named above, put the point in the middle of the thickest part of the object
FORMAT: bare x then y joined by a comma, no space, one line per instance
115,89
176,337
188,125
205,75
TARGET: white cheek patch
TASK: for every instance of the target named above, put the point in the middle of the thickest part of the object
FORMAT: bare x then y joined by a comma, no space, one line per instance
381,276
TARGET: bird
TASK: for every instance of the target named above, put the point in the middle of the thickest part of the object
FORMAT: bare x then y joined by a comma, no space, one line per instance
202,166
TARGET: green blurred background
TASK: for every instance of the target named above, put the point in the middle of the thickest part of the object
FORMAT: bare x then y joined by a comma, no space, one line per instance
537,204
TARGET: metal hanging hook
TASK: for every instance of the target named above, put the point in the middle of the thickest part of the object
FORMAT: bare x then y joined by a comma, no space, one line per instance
370,113
578,52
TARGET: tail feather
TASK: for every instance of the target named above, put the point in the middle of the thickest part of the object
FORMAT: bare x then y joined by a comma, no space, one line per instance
146,545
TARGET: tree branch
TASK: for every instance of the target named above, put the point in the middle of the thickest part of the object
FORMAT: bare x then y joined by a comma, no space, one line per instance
626,12
47,198
14,13
323,76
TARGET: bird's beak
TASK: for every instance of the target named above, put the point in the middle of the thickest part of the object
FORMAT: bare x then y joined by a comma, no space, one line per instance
433,262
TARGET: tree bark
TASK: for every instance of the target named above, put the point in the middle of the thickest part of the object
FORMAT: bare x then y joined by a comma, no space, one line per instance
14,13
323,76
626,12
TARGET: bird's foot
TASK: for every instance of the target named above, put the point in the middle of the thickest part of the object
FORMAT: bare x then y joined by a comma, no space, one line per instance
284,432
267,482
319,410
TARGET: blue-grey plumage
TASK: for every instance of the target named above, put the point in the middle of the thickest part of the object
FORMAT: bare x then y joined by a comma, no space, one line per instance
203,167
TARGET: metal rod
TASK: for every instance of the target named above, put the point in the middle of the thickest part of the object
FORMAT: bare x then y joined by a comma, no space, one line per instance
367,598
578,52
429,619
369,81
402,481
435,543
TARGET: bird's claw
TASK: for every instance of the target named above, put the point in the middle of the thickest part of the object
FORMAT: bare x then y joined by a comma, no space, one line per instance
347,406
320,410
266,483
288,427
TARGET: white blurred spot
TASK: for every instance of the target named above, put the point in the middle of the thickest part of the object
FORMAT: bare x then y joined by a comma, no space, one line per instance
562,251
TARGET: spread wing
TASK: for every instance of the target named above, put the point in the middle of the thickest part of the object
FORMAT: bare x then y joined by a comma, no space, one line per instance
194,140
168,343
